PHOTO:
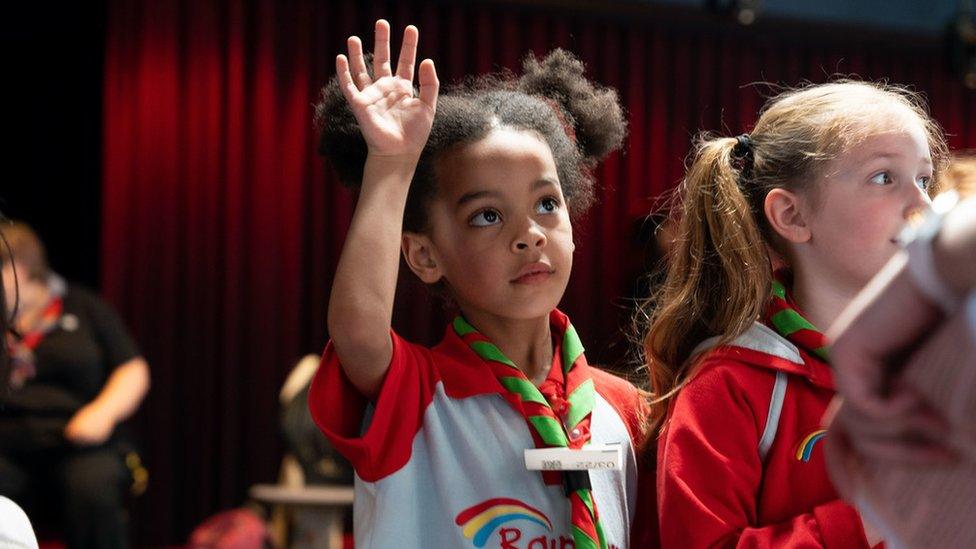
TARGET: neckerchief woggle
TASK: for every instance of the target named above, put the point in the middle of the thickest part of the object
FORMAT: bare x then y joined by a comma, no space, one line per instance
555,420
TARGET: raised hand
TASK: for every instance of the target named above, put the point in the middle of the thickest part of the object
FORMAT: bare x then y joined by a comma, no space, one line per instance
393,121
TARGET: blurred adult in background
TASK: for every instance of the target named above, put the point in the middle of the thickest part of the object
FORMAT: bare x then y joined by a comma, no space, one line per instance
15,529
75,374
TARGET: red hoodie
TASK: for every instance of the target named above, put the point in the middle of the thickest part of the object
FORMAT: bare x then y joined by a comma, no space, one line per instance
740,460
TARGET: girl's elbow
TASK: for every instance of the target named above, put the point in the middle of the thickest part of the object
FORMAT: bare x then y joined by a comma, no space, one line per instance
361,335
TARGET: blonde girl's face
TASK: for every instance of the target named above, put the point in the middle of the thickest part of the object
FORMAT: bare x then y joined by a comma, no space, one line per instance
864,197
500,226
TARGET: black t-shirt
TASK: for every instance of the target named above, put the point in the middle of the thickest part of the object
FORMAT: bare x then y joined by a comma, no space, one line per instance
74,360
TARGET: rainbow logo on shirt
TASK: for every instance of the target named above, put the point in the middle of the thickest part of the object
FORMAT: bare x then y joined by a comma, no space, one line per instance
805,449
479,521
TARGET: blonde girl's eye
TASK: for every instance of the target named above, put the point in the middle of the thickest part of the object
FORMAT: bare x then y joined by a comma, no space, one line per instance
547,205
485,218
924,182
882,178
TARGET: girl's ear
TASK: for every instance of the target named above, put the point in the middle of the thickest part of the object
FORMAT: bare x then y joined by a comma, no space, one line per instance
785,216
418,251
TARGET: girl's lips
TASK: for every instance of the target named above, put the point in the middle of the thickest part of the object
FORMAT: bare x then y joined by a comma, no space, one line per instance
533,273
534,277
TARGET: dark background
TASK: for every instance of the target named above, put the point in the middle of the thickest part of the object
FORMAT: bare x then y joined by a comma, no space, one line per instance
165,152
53,56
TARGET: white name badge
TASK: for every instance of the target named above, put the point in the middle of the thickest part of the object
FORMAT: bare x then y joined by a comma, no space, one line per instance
605,457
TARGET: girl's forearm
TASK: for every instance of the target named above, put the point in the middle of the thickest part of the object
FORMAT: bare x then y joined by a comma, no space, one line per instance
361,303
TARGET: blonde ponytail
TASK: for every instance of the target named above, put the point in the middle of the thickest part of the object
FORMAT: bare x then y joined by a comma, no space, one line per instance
718,276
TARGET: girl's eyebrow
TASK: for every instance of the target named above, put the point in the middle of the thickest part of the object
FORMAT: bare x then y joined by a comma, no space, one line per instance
544,182
883,155
474,195
889,155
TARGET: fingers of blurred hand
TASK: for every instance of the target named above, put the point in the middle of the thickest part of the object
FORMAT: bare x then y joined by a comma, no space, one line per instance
873,392
381,50
919,451
357,63
408,53
917,425
904,413
918,433
429,84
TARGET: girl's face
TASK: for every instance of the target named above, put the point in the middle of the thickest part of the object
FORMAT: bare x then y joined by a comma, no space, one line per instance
500,227
861,202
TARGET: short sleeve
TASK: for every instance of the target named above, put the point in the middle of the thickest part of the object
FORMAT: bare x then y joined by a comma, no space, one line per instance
381,445
116,341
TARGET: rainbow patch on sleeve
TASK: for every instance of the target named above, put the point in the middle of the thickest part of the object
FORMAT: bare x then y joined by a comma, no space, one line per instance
805,449
479,521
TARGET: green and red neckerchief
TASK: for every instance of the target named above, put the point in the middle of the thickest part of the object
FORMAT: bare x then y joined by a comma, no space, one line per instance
784,316
558,414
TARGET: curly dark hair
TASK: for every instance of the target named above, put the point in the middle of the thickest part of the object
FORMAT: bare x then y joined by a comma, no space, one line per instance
581,122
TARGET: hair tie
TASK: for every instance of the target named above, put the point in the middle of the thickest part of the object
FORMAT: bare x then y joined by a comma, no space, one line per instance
743,146
742,155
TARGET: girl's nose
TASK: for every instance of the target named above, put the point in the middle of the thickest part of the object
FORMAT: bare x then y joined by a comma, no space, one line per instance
918,202
531,237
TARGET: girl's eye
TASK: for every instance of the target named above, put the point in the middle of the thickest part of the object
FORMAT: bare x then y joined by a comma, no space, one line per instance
883,178
547,205
923,182
485,218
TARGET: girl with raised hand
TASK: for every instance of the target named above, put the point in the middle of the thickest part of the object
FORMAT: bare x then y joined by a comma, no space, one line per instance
738,364
476,189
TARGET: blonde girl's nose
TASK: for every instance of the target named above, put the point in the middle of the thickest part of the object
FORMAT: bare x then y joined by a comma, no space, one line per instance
918,203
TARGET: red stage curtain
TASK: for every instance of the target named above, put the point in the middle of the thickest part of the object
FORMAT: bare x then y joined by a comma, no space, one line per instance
222,228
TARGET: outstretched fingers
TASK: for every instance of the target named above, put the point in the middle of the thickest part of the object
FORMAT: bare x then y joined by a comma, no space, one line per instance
429,85
357,62
408,53
346,84
381,50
